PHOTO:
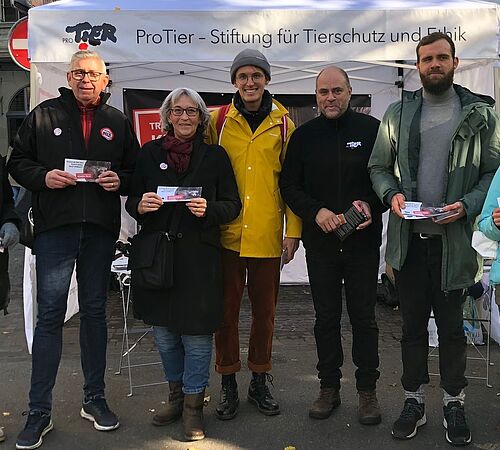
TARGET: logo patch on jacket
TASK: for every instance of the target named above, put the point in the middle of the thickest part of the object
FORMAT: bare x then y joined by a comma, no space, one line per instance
353,144
107,134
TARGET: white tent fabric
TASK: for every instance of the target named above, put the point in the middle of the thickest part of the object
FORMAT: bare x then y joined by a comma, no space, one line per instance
167,44
132,31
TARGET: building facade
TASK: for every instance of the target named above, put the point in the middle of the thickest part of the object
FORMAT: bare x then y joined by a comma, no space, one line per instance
14,81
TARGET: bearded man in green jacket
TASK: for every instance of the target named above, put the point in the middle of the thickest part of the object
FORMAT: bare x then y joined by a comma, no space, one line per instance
440,146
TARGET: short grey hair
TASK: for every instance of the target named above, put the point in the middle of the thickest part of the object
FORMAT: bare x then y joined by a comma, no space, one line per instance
87,54
172,99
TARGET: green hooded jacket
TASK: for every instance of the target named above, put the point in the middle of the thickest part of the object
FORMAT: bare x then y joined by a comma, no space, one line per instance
473,159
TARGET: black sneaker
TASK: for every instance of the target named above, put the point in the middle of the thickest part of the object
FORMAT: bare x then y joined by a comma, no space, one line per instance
259,395
97,411
412,417
37,426
457,431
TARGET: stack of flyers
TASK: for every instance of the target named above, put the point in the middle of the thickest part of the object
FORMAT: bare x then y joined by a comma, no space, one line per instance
416,211
351,218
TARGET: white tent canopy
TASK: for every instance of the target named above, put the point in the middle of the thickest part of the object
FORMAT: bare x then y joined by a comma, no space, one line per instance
164,44
171,43
158,31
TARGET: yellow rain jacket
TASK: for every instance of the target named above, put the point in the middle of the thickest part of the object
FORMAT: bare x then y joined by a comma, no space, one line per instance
257,158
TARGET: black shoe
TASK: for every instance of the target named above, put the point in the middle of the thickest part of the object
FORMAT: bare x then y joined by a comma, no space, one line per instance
258,394
412,417
37,426
229,401
97,411
457,431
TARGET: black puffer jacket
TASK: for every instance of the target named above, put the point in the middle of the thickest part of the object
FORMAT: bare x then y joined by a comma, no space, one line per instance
53,132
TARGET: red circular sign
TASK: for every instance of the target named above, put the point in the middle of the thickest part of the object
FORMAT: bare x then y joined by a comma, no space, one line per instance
18,43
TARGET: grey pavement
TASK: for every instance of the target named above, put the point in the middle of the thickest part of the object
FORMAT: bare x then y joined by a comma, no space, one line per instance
295,386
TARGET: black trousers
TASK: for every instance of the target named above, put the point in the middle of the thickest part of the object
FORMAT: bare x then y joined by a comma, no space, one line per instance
359,271
419,289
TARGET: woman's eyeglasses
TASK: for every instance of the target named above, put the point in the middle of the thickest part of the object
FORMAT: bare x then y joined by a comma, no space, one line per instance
178,111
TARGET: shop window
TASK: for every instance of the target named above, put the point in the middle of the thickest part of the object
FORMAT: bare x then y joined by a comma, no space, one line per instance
19,108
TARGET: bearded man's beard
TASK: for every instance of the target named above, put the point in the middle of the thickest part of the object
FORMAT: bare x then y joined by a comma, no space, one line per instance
437,86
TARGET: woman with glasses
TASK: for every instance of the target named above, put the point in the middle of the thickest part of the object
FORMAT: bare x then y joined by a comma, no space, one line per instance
186,315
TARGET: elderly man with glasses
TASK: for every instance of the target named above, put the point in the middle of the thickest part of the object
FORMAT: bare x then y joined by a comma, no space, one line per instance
75,222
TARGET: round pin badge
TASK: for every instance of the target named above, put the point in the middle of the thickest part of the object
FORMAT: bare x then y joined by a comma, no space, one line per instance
57,131
163,166
107,134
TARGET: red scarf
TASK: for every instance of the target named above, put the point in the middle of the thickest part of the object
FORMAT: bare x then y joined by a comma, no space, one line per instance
178,153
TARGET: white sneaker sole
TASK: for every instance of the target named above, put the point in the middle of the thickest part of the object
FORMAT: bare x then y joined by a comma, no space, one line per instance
49,427
419,423
467,442
90,417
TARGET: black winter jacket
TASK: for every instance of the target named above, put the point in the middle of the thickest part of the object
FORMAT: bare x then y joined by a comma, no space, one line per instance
326,167
194,304
53,132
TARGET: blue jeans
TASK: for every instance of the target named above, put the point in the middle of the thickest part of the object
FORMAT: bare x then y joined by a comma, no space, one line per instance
185,358
91,247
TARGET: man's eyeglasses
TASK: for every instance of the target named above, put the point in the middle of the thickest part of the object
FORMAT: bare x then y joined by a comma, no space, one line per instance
79,75
256,77
178,111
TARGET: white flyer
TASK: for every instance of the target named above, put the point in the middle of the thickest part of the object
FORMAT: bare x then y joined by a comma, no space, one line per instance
85,170
178,193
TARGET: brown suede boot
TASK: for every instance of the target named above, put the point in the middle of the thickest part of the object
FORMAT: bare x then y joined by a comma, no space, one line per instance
192,416
368,409
327,401
173,409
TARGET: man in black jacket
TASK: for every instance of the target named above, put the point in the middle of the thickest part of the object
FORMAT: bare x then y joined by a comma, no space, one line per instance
9,236
75,222
324,174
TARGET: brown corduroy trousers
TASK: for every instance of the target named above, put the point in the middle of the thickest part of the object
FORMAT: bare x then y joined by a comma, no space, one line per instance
263,277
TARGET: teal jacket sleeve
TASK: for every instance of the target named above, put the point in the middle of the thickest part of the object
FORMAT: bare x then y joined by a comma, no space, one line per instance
486,224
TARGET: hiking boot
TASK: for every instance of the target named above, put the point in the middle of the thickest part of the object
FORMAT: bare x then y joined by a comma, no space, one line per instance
192,416
412,417
327,401
259,395
97,410
173,409
457,431
229,401
37,426
368,409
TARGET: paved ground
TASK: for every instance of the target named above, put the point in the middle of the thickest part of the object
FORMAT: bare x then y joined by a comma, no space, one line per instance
295,387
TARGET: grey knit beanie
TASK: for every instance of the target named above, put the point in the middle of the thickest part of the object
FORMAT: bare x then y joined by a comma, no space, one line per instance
250,57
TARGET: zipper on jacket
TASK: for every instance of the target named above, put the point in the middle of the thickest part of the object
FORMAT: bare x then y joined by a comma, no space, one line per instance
339,177
339,168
